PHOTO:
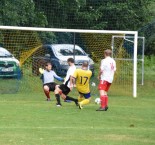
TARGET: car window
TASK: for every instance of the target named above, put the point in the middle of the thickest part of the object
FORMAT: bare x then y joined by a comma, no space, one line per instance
5,53
68,50
65,52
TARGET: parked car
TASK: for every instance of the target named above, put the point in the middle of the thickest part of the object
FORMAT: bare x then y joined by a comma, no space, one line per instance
9,65
58,55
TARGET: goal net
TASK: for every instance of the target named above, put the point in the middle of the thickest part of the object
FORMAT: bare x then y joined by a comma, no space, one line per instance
27,49
124,57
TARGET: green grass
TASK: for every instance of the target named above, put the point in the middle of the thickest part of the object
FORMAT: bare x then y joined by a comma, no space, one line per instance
26,119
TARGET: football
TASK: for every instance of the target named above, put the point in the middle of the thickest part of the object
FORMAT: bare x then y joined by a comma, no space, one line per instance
93,84
97,101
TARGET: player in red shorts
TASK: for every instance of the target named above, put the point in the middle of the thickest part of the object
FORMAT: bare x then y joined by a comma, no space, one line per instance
106,75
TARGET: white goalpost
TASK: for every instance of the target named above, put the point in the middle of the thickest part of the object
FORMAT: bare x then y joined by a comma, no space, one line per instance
114,32
141,48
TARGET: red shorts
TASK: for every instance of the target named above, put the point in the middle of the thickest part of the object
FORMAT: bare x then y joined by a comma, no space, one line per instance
104,85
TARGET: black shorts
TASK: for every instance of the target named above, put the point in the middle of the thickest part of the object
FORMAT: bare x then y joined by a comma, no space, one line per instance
65,90
51,86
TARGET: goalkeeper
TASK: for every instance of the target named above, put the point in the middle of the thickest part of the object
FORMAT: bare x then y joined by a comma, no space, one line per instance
48,76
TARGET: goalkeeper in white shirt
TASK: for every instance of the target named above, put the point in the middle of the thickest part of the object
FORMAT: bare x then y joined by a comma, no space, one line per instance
106,75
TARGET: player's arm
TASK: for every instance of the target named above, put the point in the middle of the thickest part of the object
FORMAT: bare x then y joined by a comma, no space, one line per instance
73,79
57,77
41,71
114,66
42,77
99,74
101,69
72,82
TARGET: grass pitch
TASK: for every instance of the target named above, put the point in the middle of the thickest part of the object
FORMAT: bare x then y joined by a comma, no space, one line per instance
26,119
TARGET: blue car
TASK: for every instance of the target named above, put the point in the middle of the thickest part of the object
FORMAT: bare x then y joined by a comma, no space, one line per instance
58,54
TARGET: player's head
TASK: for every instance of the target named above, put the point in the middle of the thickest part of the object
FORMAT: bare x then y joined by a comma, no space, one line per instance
107,52
48,66
70,61
85,65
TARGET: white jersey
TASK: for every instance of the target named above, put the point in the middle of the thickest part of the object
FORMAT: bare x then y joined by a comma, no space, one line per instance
70,72
108,68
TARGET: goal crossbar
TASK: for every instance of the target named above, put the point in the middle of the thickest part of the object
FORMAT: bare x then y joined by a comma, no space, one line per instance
66,30
135,33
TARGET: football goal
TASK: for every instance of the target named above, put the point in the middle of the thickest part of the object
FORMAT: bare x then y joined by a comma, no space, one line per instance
30,47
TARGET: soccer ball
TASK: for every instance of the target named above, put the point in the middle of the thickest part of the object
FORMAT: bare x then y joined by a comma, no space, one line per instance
93,84
97,101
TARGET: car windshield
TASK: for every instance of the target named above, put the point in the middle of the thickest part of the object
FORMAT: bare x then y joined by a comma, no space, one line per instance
68,50
5,53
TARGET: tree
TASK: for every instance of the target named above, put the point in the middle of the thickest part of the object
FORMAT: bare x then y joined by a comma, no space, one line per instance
76,14
148,32
113,14
21,13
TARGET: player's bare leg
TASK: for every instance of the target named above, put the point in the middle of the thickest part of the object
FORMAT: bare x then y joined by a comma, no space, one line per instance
47,92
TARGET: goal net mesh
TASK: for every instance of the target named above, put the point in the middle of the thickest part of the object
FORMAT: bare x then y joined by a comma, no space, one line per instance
27,48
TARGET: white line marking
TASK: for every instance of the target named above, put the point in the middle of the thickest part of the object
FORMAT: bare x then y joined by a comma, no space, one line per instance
82,127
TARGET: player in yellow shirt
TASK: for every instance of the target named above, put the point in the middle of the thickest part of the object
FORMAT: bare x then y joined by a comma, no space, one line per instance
82,77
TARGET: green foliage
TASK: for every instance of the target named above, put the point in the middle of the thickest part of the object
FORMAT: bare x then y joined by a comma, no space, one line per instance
82,14
149,62
98,14
148,32
21,13
150,45
113,14
47,37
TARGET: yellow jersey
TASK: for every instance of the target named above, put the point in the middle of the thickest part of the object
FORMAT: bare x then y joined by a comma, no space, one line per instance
82,80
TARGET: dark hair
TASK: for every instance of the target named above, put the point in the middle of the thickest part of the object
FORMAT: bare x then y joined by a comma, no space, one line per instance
48,63
85,64
70,60
108,52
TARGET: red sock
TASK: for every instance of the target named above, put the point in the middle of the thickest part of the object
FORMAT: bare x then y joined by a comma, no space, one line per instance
47,93
106,100
103,101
